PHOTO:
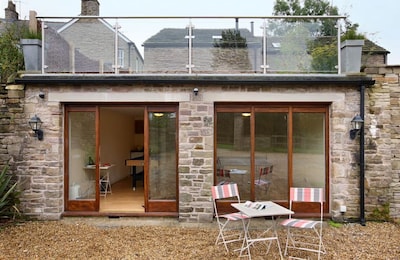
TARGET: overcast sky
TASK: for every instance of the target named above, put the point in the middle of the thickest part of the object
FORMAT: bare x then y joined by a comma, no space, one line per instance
376,18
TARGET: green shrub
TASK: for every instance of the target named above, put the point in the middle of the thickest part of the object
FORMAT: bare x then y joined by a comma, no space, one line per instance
9,195
334,224
381,214
11,57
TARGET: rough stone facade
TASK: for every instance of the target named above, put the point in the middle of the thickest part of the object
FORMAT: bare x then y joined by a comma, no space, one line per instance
196,155
39,165
382,140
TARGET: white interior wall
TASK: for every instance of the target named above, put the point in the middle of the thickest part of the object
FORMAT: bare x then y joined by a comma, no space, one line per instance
117,137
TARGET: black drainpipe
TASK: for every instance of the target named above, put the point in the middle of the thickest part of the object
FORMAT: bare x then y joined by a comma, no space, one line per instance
362,164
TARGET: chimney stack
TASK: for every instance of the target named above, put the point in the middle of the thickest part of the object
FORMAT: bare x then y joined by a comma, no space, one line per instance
351,51
90,8
11,14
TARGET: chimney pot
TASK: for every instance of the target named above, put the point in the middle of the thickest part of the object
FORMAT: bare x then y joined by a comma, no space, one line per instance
10,12
90,7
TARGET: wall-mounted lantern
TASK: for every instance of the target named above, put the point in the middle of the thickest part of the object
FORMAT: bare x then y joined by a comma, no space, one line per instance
35,123
356,124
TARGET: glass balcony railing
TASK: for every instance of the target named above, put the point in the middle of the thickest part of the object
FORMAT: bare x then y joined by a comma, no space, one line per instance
199,45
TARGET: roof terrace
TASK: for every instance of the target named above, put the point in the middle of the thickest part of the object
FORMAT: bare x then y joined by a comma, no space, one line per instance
191,45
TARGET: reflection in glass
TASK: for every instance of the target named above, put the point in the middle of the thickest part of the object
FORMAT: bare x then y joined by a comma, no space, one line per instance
309,150
82,143
271,158
162,163
233,151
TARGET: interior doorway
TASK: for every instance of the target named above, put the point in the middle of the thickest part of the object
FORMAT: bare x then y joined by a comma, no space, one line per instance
122,139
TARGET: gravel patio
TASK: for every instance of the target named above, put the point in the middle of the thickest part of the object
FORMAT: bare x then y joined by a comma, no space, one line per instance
104,238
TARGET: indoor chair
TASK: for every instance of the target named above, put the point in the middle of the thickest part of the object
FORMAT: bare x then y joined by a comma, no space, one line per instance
302,234
262,182
228,232
105,184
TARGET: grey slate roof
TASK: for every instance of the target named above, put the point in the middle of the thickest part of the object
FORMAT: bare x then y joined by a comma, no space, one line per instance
175,37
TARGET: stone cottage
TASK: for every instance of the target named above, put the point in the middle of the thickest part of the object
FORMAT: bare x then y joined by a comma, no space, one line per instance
154,144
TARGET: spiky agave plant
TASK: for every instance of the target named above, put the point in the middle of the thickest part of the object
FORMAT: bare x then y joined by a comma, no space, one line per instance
9,195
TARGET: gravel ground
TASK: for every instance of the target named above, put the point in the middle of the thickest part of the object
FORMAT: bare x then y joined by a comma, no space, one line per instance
77,239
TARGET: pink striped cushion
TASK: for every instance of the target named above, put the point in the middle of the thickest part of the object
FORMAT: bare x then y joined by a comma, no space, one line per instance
235,216
307,194
300,223
225,191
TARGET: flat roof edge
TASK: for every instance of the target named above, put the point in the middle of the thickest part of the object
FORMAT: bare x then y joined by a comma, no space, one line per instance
266,79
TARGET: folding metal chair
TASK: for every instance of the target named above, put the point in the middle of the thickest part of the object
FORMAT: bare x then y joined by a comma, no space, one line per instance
228,233
105,184
303,234
263,183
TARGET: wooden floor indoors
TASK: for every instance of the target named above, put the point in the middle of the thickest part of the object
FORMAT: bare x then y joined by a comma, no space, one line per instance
123,198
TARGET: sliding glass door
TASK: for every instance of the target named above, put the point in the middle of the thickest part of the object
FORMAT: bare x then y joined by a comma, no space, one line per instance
162,163
271,147
86,131
266,149
81,185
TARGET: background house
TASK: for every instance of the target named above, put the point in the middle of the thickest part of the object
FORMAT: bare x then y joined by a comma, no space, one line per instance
88,45
167,52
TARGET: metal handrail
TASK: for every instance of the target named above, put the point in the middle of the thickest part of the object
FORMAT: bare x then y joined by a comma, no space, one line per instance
190,36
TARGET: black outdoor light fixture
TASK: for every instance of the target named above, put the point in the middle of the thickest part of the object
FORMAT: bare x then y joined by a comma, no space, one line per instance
35,124
196,91
356,124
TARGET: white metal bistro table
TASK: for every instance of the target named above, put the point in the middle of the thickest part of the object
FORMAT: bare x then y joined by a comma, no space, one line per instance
257,210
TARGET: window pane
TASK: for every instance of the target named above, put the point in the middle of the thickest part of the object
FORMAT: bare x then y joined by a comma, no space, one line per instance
162,163
271,158
82,138
233,151
309,150
121,57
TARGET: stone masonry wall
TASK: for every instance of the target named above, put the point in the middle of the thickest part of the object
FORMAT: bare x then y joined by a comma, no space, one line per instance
39,164
36,164
196,156
383,141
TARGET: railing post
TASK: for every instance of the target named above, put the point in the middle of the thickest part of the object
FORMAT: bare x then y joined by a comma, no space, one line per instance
264,66
339,66
190,65
116,66
43,46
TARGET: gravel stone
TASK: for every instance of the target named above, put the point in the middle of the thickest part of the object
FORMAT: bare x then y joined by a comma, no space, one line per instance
78,238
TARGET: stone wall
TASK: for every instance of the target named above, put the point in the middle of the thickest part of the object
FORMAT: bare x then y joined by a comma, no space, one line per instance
39,164
196,160
382,175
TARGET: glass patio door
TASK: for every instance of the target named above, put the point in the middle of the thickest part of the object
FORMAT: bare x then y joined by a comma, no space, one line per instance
233,150
271,145
268,148
81,184
161,191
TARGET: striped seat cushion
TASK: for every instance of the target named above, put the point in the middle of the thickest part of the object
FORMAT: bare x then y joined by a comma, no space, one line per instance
307,194
300,223
235,216
225,191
